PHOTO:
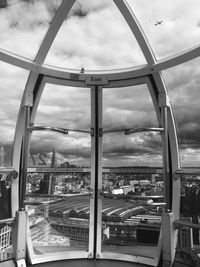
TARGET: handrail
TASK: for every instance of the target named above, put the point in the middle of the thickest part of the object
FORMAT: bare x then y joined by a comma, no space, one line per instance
10,172
57,195
5,170
56,129
128,131
188,171
9,220
48,128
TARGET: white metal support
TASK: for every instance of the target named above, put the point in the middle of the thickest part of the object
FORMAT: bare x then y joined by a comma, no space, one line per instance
169,233
92,177
99,172
21,263
169,245
24,162
20,236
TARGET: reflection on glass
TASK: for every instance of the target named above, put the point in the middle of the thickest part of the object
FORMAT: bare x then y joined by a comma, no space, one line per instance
58,206
132,174
58,180
183,86
12,80
59,223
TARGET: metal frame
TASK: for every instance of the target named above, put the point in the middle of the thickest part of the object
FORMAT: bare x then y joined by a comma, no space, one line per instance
96,172
149,74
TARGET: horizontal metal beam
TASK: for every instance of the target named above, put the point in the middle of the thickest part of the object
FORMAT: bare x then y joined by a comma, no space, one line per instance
47,128
128,131
71,74
188,171
55,196
10,220
6,170
180,224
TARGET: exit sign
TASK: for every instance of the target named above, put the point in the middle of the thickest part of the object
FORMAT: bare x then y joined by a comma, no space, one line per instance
96,80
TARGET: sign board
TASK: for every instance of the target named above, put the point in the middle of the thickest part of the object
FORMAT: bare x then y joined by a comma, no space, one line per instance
96,80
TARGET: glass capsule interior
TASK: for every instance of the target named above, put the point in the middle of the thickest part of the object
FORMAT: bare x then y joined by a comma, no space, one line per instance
99,140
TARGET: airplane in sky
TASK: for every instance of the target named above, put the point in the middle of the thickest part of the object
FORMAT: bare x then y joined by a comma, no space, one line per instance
159,22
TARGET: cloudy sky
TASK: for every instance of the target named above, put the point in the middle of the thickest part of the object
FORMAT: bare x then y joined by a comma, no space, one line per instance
96,37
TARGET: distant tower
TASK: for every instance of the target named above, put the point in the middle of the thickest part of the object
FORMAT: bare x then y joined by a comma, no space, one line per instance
54,159
2,157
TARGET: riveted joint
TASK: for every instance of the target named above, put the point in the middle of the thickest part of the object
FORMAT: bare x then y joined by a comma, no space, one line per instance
163,100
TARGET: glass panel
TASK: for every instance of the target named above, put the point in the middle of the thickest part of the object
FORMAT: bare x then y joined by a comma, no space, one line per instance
12,83
183,86
132,173
82,43
58,183
69,106
24,23
170,27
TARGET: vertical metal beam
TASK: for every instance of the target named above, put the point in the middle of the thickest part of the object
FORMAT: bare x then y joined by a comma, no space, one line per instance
169,233
99,171
168,244
20,236
93,154
96,165
167,181
24,156
163,104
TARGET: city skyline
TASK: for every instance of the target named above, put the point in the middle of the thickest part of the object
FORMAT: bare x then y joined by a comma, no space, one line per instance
82,43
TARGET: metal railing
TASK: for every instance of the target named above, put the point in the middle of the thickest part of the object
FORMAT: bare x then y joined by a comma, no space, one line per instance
6,239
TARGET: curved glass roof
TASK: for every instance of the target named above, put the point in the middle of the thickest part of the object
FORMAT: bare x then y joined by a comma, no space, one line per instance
95,37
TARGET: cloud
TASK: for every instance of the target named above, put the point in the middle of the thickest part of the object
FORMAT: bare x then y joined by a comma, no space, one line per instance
93,47
12,82
74,148
69,106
